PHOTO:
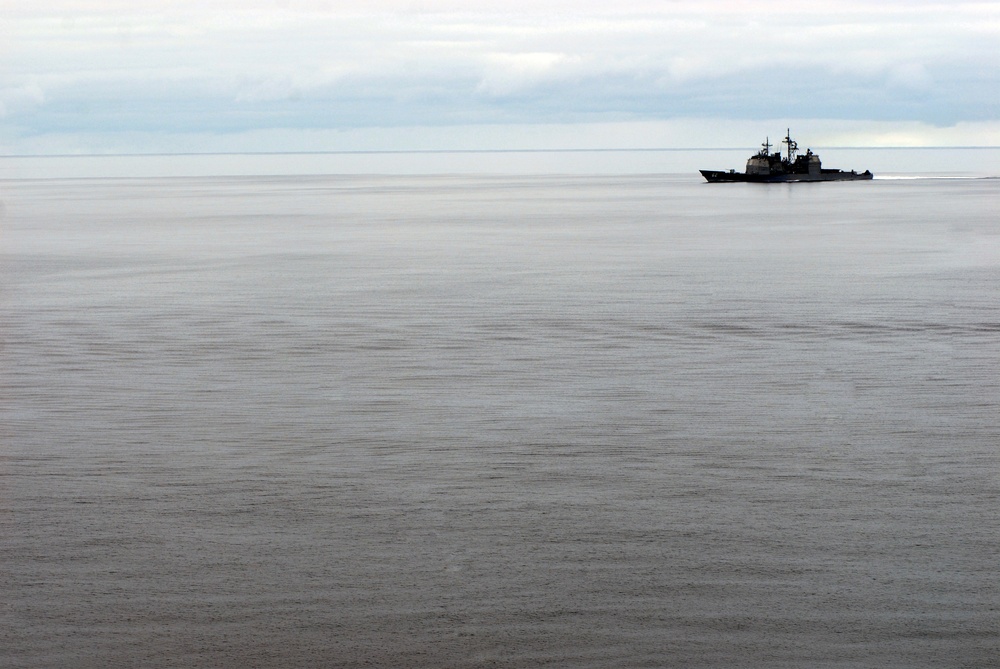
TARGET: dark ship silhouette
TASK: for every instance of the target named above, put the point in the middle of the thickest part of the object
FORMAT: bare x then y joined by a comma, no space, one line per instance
767,167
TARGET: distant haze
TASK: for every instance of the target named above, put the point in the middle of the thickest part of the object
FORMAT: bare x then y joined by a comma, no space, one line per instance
106,77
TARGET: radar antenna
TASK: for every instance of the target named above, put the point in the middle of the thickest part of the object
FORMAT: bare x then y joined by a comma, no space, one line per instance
766,146
792,145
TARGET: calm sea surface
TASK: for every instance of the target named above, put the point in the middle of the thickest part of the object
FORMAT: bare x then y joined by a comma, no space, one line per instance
499,421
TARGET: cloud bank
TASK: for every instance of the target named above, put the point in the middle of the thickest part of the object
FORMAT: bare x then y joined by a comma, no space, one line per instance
238,76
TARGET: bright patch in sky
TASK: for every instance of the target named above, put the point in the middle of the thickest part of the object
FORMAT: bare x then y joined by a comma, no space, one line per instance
82,76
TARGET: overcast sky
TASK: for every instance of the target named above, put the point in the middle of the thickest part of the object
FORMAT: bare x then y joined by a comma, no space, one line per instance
256,75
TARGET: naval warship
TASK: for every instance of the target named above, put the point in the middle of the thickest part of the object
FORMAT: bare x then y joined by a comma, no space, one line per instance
767,167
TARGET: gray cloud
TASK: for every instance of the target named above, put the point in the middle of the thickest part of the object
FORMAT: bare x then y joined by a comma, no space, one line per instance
98,67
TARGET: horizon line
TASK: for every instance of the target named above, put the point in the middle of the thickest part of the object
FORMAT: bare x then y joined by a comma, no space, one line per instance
446,151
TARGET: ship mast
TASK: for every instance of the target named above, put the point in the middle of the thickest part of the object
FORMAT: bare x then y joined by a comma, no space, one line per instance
792,146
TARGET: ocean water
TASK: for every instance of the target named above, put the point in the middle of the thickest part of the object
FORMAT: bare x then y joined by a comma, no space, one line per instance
519,420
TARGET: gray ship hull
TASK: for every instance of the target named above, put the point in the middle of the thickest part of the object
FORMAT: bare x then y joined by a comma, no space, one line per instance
718,176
